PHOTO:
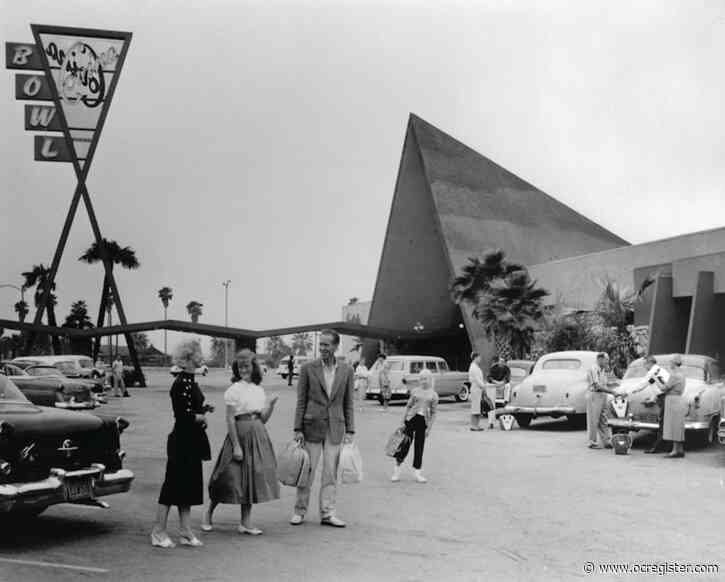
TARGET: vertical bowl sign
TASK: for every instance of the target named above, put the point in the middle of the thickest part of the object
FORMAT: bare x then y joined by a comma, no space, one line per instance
75,69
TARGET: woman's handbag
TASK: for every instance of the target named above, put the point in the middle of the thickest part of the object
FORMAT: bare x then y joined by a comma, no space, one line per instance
350,468
397,442
486,403
293,465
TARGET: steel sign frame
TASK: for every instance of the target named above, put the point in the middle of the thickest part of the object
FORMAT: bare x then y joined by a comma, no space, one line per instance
81,170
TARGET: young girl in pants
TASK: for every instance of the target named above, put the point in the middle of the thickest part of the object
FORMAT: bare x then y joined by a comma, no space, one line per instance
417,421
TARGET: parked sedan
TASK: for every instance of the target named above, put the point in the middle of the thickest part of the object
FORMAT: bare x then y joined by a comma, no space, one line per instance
50,456
557,387
46,386
704,391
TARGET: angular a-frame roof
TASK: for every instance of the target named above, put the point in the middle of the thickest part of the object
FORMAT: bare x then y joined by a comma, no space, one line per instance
452,203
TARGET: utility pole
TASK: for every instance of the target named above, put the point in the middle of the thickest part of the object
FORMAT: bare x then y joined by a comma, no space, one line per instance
226,321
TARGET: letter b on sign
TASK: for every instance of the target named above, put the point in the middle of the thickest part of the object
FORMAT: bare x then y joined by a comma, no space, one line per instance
22,56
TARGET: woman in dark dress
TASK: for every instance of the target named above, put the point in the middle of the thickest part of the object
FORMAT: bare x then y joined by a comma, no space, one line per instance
186,448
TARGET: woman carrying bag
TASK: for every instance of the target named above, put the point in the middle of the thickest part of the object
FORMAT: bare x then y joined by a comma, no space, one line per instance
246,469
417,421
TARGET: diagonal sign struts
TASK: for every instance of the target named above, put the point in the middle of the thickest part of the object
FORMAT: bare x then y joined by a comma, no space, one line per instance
77,69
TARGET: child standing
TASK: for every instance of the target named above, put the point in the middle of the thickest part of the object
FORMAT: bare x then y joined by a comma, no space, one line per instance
417,421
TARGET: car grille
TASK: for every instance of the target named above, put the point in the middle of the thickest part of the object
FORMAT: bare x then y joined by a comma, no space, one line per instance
648,417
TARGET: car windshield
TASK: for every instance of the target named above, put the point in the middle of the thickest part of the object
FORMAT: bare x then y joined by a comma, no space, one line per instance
639,370
9,392
66,367
43,371
562,364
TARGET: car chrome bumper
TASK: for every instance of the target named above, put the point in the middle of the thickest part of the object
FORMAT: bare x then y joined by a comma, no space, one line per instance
643,425
89,405
539,410
51,490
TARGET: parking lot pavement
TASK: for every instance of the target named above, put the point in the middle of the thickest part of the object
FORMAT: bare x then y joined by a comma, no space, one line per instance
532,504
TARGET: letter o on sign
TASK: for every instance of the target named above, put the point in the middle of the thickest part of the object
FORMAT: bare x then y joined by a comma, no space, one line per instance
32,86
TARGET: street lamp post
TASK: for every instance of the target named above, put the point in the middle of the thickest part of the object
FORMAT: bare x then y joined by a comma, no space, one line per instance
226,321
11,286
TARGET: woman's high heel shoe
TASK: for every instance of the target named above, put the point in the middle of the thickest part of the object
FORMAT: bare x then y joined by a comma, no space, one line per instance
192,541
161,541
252,531
207,527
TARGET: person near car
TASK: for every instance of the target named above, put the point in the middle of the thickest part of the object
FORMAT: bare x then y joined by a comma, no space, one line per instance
324,419
361,379
386,389
246,468
673,428
498,375
118,383
420,412
649,362
596,399
475,379
290,369
187,446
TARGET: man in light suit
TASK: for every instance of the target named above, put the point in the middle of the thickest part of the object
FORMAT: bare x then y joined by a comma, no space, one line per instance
323,420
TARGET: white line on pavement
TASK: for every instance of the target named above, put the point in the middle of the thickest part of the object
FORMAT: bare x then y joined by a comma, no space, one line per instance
54,565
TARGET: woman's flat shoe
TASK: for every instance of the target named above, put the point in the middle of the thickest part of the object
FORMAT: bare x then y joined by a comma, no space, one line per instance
252,531
207,527
193,541
162,541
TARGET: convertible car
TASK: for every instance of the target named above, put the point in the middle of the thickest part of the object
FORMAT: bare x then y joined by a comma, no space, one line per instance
556,387
704,391
50,456
47,386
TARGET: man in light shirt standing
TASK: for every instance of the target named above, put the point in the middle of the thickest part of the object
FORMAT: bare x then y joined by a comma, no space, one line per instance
597,404
475,378
324,420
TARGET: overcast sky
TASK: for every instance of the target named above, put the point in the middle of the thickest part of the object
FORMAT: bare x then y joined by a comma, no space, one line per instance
260,142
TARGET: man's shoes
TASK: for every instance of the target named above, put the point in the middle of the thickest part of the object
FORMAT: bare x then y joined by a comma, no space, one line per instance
674,455
126,395
593,446
652,451
297,519
332,521
475,429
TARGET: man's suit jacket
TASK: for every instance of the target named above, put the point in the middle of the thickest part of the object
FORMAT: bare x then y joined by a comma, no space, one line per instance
317,413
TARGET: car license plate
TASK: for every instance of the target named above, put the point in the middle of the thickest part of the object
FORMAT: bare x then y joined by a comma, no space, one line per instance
76,489
539,388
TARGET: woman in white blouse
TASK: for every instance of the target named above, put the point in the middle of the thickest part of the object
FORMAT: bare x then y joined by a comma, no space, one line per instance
246,469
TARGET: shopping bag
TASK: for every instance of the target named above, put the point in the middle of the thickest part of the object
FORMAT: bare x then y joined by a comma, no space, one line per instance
293,465
395,441
350,464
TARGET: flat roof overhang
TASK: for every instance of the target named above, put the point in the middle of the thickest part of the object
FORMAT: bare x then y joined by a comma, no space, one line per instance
342,327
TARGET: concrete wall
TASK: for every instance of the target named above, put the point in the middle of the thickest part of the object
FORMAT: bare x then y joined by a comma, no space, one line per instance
669,320
578,280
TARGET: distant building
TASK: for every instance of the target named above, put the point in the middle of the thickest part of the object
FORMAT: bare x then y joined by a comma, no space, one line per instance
452,203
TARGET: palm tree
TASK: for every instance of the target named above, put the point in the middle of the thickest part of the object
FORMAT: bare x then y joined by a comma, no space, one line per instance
511,310
165,294
477,274
78,316
194,309
117,255
21,308
38,277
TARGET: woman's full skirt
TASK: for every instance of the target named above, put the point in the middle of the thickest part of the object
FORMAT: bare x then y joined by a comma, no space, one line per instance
252,480
475,398
673,426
